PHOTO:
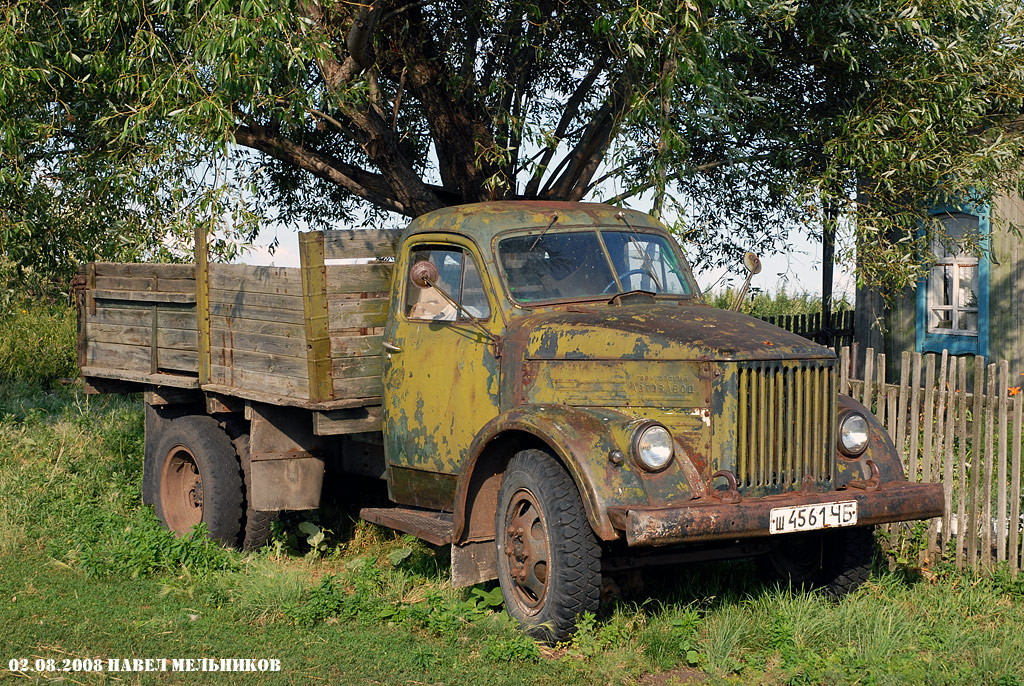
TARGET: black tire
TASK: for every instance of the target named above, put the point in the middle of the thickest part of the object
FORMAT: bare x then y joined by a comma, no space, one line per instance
835,561
551,574
198,479
255,524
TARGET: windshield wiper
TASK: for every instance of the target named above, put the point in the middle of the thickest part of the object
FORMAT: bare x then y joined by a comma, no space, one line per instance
541,234
648,264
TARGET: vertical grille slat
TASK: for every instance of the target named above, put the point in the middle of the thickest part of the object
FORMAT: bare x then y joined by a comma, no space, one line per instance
786,424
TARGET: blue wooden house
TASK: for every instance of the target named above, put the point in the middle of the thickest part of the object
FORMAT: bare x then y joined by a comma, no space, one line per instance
970,303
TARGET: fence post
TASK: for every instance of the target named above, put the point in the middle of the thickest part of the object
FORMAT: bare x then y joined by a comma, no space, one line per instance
961,501
937,451
1001,521
990,427
915,417
1018,404
947,467
976,457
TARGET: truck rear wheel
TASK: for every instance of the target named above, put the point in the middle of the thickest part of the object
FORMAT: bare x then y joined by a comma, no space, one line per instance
199,479
836,561
256,524
549,561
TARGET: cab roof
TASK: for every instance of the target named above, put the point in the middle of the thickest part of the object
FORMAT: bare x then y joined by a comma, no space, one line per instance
480,222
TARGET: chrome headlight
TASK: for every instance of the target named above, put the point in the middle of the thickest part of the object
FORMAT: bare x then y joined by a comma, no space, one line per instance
853,434
652,447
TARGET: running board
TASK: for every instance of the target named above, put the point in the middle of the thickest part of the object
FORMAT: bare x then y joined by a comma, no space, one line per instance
432,527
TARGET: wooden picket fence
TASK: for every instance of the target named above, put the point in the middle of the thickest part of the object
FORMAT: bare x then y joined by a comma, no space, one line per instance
836,333
956,421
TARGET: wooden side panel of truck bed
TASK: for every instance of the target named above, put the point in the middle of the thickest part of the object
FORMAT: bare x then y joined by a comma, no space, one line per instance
308,336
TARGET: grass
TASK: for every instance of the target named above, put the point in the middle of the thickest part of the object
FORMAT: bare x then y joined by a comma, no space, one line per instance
87,572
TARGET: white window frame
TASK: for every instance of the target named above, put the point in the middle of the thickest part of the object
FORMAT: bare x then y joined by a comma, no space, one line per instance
956,262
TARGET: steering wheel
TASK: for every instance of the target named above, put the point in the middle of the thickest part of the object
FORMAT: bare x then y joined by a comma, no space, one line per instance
622,277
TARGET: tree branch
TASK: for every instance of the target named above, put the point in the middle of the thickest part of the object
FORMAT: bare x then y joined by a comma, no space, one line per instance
572,108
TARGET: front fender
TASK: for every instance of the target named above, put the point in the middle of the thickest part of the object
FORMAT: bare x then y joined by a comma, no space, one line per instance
880,449
583,440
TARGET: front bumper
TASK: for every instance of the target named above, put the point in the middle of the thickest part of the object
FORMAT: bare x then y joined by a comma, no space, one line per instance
709,519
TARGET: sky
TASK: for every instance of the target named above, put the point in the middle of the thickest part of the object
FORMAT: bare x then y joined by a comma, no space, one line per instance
797,271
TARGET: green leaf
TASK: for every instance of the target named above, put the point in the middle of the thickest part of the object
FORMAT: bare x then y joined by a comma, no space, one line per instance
397,556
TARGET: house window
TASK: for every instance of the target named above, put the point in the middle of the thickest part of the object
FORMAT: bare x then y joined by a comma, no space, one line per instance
953,282
952,303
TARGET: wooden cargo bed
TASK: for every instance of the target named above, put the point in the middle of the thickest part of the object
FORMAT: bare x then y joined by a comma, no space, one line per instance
308,336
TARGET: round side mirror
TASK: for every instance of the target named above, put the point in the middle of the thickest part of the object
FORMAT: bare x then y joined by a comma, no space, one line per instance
424,273
752,262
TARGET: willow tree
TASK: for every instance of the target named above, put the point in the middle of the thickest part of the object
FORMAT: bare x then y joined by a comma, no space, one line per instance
737,120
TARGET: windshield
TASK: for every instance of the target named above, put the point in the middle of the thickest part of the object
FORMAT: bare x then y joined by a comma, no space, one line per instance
590,264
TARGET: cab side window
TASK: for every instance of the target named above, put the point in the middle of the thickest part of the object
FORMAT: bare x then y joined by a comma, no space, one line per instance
458,276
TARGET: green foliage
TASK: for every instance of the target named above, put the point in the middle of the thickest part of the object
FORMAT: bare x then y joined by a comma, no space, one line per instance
760,303
125,124
37,341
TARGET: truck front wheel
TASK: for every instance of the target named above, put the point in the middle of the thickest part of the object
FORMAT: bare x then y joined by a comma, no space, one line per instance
199,479
549,561
836,561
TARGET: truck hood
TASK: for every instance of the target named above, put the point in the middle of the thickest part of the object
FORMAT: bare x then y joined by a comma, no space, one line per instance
655,331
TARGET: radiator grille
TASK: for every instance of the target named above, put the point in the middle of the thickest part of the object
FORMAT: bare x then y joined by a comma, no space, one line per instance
786,424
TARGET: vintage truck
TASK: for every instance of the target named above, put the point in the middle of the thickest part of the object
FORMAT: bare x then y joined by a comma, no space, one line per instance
540,384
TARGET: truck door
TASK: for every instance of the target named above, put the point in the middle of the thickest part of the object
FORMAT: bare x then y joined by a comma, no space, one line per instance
440,373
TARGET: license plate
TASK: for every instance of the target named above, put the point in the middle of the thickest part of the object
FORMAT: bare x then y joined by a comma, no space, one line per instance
810,517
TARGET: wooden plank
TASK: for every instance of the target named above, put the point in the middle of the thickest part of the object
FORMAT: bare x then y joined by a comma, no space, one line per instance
1016,437
117,356
904,398
349,313
289,401
282,365
173,380
256,278
145,270
893,417
234,312
948,476
1001,475
354,421
929,418
342,244
259,326
178,360
150,284
869,373
144,296
315,316
357,387
360,278
844,370
248,299
129,314
915,418
986,502
880,390
294,346
927,443
976,459
940,417
961,506
356,346
274,385
368,365
175,339
203,309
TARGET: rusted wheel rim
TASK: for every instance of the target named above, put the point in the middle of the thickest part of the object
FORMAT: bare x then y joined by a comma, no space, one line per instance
181,490
527,550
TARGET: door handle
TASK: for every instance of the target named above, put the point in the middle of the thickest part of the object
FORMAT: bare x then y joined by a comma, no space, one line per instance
391,347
